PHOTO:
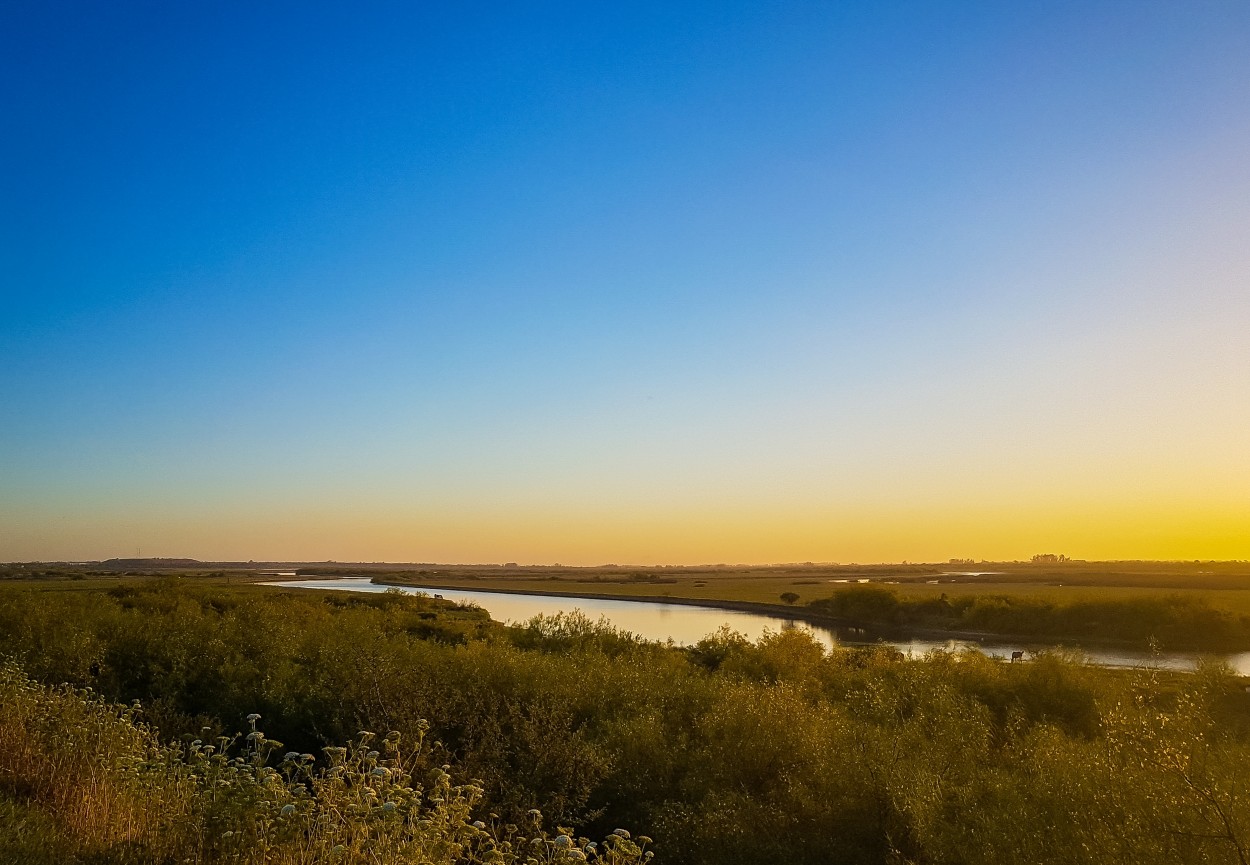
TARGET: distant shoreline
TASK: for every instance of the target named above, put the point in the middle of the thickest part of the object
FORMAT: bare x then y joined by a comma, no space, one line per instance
869,630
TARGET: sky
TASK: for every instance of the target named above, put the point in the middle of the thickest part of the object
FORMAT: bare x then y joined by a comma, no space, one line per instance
646,282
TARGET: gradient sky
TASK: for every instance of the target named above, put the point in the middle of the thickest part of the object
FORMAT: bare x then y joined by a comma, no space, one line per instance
669,282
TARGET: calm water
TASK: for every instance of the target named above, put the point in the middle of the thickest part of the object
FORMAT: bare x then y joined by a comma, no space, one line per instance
686,625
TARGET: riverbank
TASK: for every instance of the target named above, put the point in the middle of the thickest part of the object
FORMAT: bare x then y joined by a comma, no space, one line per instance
862,629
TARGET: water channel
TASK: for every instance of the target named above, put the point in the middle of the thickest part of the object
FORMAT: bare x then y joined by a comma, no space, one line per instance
685,624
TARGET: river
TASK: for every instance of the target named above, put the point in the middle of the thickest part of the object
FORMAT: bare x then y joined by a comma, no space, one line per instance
686,625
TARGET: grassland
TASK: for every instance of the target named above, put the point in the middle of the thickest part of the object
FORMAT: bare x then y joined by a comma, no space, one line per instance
737,582
1181,606
1224,583
1185,605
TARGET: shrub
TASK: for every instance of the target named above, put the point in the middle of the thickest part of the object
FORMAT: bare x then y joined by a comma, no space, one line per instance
116,794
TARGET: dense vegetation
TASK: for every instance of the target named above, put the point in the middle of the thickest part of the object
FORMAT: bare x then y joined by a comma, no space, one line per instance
87,781
1175,622
726,752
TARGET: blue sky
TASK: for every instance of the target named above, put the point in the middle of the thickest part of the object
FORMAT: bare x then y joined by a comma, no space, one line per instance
694,282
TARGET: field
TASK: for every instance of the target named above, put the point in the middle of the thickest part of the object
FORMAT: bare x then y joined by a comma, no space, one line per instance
1191,607
1224,584
1181,606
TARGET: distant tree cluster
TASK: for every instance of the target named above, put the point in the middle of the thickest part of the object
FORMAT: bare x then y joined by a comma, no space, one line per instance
1178,622
1049,559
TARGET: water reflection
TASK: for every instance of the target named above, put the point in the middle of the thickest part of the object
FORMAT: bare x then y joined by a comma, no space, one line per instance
686,625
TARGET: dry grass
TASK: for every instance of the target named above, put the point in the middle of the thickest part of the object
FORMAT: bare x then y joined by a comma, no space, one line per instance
1229,590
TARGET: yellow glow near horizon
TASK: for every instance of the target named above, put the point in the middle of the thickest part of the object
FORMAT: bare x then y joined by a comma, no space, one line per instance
1085,530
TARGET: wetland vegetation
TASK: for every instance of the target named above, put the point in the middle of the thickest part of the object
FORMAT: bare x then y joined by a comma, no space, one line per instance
726,751
1191,606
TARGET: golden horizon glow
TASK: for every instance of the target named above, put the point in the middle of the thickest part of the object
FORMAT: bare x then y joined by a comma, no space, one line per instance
1092,531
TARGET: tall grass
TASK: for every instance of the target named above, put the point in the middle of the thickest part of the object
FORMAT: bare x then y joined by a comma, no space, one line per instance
87,777
94,767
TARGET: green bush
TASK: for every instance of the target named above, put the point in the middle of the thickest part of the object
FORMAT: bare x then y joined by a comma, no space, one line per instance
1175,621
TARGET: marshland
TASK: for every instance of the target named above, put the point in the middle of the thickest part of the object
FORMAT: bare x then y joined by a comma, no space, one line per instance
194,716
